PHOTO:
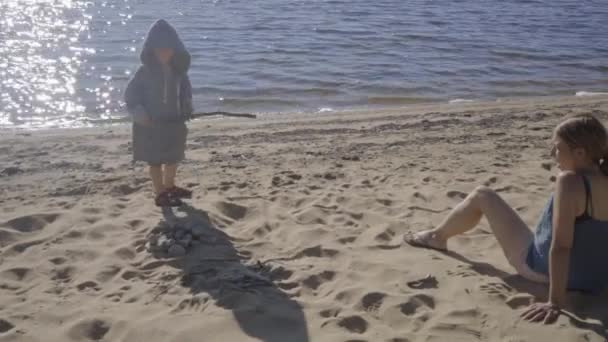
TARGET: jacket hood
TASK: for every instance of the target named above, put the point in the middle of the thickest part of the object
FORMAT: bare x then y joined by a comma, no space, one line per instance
163,35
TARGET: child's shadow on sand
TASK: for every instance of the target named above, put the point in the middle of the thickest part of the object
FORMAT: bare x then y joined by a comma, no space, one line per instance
584,306
216,267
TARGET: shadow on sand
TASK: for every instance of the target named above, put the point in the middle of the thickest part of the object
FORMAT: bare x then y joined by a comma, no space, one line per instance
585,307
214,266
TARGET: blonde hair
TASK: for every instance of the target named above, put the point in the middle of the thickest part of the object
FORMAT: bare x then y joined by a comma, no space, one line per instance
587,132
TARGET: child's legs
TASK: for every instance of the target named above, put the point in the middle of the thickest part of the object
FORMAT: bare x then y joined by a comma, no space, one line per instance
170,171
156,173
510,230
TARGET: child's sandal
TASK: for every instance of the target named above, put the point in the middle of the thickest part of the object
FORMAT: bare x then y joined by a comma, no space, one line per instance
164,199
178,192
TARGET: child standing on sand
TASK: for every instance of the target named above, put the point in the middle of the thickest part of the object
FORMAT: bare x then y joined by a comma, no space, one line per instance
159,100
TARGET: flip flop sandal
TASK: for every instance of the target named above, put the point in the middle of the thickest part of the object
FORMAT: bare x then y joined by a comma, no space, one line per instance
418,241
178,192
427,282
164,199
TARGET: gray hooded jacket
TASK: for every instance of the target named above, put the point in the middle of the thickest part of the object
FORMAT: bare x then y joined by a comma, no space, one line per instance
164,94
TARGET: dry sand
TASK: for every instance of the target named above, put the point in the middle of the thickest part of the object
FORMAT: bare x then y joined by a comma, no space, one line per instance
302,220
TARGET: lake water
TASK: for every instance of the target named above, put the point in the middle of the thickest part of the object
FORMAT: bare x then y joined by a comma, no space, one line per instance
66,63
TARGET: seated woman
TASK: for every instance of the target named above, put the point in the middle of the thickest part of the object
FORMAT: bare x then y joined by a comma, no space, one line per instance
569,249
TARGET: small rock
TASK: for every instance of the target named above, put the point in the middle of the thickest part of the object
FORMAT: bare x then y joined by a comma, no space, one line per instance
185,240
162,240
197,231
165,242
176,226
153,240
195,243
176,251
179,234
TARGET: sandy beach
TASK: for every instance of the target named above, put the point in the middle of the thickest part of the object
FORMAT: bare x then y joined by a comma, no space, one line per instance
296,230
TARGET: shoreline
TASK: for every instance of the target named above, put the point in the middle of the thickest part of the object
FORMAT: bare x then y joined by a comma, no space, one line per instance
440,105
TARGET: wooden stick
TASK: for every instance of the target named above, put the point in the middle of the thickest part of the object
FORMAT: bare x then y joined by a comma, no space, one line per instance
239,115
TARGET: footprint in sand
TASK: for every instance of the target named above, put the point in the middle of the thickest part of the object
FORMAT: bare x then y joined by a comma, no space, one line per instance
58,260
508,188
418,195
327,313
232,210
491,181
89,330
125,189
107,273
23,246
416,303
7,237
115,296
192,304
459,325
462,271
280,273
88,285
314,281
385,202
63,274
372,301
128,275
347,240
354,324
386,236
287,286
285,178
500,290
125,253
316,252
17,274
5,326
30,223
547,166
454,194
262,231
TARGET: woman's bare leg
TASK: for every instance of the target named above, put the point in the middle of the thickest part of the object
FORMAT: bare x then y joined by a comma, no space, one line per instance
512,233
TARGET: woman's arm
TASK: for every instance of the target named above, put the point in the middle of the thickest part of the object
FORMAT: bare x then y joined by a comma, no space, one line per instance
569,196
568,202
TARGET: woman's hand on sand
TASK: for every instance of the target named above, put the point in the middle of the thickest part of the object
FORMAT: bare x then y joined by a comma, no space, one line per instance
541,312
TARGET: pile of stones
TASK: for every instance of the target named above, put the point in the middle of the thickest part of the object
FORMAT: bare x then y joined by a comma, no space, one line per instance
175,240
